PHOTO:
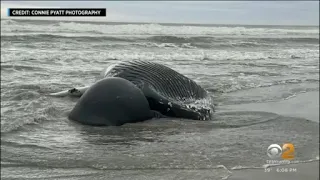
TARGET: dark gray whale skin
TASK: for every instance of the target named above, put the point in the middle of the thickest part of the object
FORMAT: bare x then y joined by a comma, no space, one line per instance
133,91
167,91
111,101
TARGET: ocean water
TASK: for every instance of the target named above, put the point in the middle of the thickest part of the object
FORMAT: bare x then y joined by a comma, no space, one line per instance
264,81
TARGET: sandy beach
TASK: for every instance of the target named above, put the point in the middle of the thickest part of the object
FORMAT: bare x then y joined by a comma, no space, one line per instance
306,171
304,105
264,81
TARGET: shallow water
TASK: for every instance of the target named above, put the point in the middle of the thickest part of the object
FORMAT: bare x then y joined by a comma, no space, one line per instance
265,83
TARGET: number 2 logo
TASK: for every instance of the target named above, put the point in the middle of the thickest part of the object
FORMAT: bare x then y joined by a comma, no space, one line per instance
288,151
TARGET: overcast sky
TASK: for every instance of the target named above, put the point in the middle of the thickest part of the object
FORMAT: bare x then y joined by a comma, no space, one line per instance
213,12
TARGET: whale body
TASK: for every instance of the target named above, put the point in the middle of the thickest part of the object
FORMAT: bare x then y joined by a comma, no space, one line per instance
167,93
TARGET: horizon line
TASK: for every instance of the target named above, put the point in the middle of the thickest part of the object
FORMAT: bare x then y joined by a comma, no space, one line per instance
172,23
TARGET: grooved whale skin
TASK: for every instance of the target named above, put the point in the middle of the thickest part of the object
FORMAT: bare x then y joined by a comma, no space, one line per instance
168,91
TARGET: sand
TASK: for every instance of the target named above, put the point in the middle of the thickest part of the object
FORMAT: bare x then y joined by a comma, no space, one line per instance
305,105
303,171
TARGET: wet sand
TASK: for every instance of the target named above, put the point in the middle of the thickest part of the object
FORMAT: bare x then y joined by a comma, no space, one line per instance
302,171
305,105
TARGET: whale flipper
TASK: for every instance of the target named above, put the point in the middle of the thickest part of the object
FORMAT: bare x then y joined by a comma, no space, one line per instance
74,92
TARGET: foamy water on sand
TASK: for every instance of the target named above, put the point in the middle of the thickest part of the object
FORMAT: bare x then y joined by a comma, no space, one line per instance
264,81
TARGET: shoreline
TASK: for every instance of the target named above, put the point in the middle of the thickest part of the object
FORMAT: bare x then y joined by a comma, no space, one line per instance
304,105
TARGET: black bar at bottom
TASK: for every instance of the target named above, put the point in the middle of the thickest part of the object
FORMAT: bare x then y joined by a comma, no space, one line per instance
57,12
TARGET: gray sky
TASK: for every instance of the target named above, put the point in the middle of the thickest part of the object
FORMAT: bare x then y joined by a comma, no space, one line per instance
214,12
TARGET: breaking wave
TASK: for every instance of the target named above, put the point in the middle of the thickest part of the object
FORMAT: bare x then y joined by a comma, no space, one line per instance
154,29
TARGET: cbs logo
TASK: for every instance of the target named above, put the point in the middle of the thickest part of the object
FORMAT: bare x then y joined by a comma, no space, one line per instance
285,152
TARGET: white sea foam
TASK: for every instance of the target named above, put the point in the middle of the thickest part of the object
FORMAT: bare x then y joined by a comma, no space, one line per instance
196,55
154,29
